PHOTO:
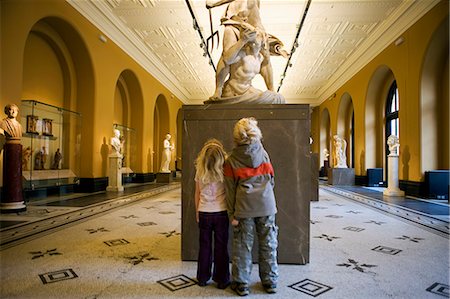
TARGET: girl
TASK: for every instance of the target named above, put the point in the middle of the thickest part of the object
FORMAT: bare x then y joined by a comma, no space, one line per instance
211,213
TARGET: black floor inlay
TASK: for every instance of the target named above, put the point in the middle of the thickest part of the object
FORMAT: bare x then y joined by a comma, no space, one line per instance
140,258
387,250
439,289
150,223
177,282
116,242
310,287
351,263
97,230
57,276
354,229
50,252
412,239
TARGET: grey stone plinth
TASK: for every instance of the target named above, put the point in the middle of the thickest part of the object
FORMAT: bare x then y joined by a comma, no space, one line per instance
314,177
341,176
164,177
286,130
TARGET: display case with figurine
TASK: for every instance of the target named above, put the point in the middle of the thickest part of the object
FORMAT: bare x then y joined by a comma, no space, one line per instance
50,145
127,135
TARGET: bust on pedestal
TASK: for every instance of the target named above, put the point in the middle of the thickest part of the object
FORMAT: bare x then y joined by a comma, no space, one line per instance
12,198
340,174
115,163
393,189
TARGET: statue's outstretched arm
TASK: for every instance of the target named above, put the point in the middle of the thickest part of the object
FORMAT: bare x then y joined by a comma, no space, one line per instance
215,3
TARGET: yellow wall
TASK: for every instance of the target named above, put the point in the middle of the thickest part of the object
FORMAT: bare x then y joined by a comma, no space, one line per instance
97,67
405,62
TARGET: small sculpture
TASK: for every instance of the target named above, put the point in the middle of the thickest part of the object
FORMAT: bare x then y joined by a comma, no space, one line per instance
340,146
117,142
9,126
47,127
32,124
40,159
167,154
56,159
393,144
26,154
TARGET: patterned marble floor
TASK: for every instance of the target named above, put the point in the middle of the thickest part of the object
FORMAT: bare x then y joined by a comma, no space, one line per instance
134,251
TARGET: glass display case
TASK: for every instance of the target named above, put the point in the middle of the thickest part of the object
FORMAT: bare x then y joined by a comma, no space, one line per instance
128,136
50,145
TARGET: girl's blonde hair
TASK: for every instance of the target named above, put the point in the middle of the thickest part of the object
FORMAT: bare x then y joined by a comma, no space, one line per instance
209,162
246,131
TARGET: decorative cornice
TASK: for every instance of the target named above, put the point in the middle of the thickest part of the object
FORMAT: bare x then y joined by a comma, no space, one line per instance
98,13
404,17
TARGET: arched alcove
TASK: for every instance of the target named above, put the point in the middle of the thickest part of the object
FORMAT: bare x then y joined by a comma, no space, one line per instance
345,125
324,135
160,129
434,100
377,91
128,114
57,70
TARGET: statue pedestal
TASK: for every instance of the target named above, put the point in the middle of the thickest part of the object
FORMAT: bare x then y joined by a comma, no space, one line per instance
286,139
12,197
341,176
115,173
393,189
164,177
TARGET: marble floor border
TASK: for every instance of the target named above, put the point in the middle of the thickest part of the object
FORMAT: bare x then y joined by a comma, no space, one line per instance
20,233
432,224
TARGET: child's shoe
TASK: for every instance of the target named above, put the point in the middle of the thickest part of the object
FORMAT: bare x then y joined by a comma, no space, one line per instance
270,288
240,288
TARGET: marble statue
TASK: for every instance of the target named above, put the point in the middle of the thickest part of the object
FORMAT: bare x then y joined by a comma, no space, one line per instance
326,154
340,159
246,52
26,154
56,159
393,144
166,155
116,142
10,126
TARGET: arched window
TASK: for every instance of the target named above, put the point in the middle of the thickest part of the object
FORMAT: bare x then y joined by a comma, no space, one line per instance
392,125
392,121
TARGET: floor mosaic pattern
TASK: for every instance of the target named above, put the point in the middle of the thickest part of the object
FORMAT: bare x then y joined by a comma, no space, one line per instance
135,252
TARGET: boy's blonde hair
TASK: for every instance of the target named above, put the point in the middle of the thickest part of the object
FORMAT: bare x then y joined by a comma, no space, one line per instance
209,162
246,131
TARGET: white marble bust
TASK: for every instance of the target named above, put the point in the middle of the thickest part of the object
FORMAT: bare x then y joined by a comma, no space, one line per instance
393,144
116,143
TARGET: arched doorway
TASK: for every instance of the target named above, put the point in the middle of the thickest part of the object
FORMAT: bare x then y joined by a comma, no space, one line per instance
160,129
345,125
325,140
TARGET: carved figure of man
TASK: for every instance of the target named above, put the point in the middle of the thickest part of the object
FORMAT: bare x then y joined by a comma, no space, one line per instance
167,154
393,144
116,142
56,159
241,15
9,126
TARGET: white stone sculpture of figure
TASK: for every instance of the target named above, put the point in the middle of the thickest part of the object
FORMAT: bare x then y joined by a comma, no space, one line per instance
10,126
166,154
393,144
340,145
116,143
245,55
326,154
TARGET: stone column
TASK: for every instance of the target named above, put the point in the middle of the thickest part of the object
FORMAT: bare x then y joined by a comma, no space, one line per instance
393,189
115,172
12,197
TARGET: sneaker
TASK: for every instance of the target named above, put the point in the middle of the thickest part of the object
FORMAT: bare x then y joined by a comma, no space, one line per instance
240,288
270,288
223,285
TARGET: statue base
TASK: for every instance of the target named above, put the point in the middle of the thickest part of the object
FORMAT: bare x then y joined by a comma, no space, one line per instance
341,176
393,192
12,197
115,173
164,177
286,139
